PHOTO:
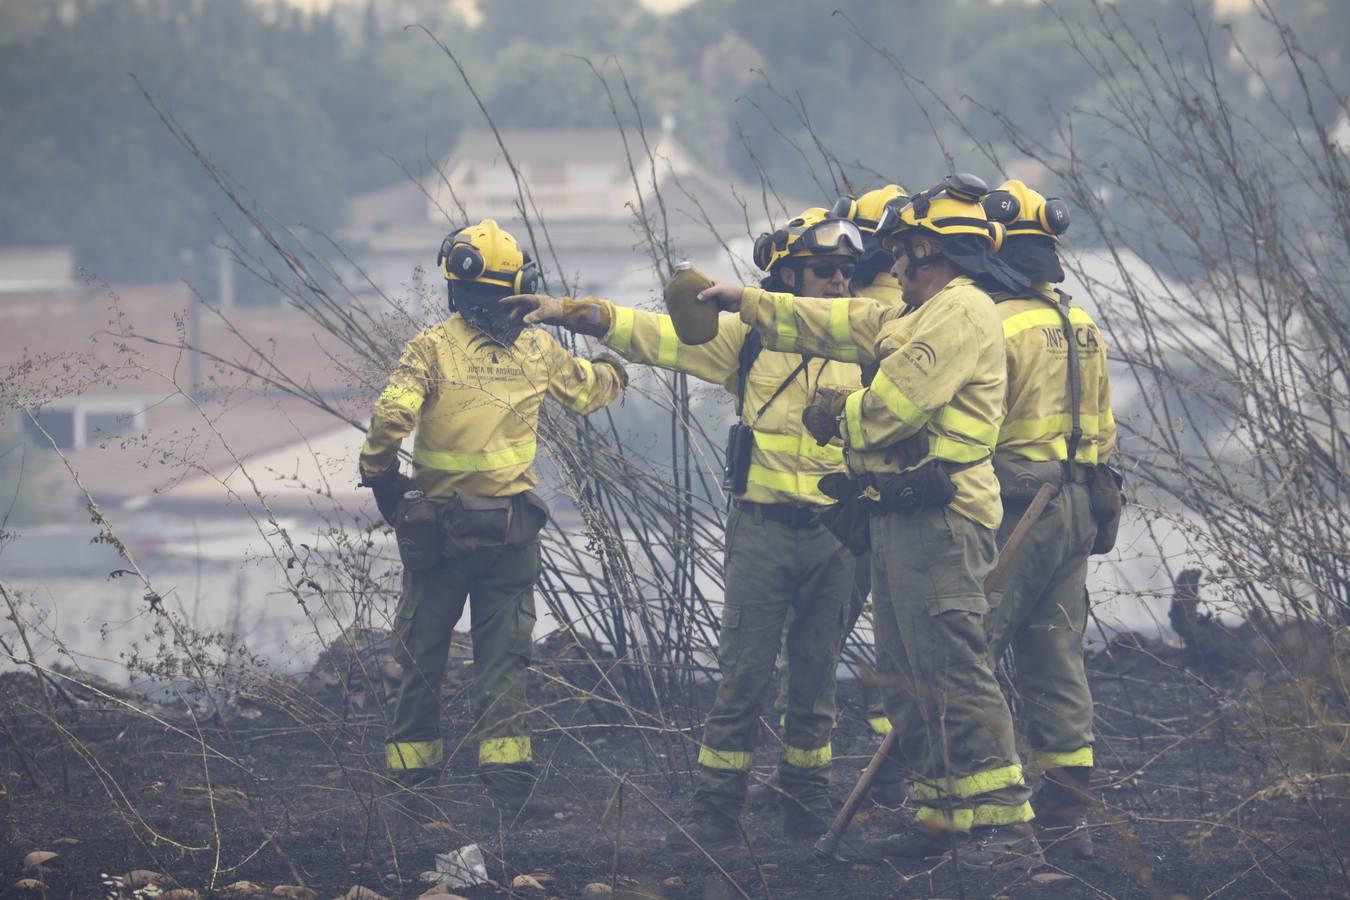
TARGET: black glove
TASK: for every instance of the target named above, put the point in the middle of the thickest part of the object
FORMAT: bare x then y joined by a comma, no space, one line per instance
609,359
821,416
389,487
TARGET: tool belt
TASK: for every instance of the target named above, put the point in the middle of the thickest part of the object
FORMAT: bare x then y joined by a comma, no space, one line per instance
927,487
849,517
1106,497
431,531
1020,479
789,514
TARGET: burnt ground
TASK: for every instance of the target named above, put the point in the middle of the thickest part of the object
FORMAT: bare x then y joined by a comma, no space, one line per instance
1203,782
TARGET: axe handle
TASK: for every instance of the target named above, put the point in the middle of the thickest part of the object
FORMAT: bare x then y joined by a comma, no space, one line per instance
829,842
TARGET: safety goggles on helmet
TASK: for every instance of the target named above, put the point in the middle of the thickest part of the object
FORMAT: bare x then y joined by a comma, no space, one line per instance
831,236
810,234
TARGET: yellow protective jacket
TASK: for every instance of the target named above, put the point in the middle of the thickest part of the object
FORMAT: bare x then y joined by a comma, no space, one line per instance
883,287
941,369
475,405
786,463
1038,416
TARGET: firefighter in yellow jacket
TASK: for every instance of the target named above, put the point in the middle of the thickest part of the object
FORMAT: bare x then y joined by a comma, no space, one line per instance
467,521
1057,429
779,557
920,441
872,278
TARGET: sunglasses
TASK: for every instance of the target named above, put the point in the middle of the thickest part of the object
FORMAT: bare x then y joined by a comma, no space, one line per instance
826,268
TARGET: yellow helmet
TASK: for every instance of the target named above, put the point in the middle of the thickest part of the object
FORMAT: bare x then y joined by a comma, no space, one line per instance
488,255
1024,211
813,233
866,210
950,208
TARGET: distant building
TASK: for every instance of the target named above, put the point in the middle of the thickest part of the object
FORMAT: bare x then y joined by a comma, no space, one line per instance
36,269
586,205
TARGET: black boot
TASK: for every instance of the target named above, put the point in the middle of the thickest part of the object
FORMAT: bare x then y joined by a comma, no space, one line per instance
708,830
1061,812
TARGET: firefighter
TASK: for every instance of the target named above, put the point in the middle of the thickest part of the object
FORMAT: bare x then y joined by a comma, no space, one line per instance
920,441
872,278
779,557
1057,429
467,521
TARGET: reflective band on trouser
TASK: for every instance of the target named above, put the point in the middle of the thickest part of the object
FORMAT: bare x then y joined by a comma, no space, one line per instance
621,335
669,348
798,484
1050,759
504,751
807,759
413,755
962,819
900,406
403,397
784,323
484,461
723,759
880,725
840,332
970,785
584,395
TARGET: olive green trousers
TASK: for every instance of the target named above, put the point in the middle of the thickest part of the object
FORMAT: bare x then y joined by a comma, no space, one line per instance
955,734
1041,612
773,569
498,583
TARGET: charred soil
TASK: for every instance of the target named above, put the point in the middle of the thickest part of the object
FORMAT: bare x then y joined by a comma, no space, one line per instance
1210,785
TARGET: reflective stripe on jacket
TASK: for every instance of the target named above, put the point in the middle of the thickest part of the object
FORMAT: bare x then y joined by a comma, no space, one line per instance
475,407
786,464
941,369
1038,417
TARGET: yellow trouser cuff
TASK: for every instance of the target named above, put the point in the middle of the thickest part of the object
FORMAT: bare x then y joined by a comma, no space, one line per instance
807,759
504,751
723,759
970,785
880,725
412,755
1050,759
991,814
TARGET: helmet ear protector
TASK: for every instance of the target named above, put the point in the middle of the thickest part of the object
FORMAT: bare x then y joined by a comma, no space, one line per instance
460,260
1002,206
766,246
1025,211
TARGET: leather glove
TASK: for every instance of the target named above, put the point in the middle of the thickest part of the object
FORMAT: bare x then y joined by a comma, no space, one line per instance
821,416
585,316
389,487
609,359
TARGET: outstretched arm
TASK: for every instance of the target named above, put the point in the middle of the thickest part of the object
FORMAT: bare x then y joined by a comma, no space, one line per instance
842,328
